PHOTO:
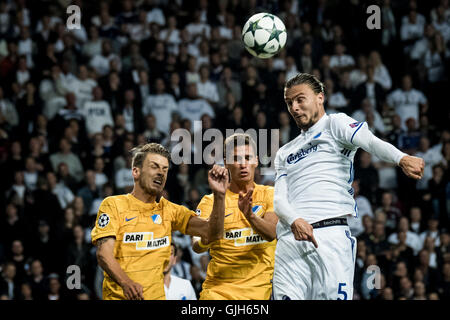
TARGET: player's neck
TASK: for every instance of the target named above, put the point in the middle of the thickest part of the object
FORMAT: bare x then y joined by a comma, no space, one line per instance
237,187
143,196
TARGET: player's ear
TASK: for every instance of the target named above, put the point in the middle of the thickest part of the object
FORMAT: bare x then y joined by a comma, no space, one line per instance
320,98
136,172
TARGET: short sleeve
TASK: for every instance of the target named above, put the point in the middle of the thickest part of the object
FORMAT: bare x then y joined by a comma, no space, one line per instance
269,199
181,216
280,167
107,222
345,129
205,206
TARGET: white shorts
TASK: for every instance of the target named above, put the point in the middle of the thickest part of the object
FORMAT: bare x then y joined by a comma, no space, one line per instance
304,272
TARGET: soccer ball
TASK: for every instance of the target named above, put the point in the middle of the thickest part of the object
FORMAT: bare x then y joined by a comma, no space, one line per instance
264,35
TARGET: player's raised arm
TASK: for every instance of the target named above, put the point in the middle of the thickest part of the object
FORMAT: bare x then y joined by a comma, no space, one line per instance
359,135
212,229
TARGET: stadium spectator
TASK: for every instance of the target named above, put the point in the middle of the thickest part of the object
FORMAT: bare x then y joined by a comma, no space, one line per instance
25,292
407,101
393,214
162,105
369,89
431,157
412,239
101,62
70,159
193,107
8,283
207,89
408,141
97,113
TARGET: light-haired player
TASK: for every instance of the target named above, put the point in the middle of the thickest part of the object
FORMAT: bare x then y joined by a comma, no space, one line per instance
315,254
241,266
133,231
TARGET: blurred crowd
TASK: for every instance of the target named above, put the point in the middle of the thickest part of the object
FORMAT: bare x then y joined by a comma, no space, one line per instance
74,102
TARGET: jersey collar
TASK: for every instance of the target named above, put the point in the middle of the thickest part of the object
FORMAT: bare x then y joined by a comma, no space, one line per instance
142,205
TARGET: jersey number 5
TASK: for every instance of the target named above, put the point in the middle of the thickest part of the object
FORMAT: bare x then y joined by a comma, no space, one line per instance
340,291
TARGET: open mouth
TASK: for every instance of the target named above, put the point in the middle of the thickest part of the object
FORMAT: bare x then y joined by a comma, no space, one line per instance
158,182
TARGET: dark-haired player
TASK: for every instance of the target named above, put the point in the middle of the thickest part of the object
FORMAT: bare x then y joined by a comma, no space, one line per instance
313,195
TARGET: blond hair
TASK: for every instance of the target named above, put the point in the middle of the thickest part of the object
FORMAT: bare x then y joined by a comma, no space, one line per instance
141,152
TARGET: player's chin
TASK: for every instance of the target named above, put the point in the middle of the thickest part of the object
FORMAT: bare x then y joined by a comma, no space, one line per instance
245,178
301,122
154,189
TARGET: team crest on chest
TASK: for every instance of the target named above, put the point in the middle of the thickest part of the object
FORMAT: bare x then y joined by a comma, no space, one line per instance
156,218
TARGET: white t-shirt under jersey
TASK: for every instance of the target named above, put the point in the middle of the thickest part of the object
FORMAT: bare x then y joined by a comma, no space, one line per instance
179,289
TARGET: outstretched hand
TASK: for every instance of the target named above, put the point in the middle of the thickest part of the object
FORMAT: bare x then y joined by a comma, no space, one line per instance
218,179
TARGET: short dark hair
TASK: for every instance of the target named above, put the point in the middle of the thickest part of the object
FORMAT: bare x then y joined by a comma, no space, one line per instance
305,78
141,152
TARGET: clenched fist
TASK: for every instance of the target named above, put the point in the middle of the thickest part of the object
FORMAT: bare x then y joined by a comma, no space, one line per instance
412,166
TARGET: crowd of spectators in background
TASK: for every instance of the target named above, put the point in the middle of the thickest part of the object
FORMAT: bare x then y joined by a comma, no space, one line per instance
73,103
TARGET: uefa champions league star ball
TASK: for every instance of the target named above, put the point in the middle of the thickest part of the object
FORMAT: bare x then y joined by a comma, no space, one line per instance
264,35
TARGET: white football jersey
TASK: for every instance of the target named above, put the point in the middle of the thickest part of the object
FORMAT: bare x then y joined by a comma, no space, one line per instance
318,165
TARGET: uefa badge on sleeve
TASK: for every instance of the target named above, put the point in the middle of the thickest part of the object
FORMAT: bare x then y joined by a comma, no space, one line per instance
103,220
